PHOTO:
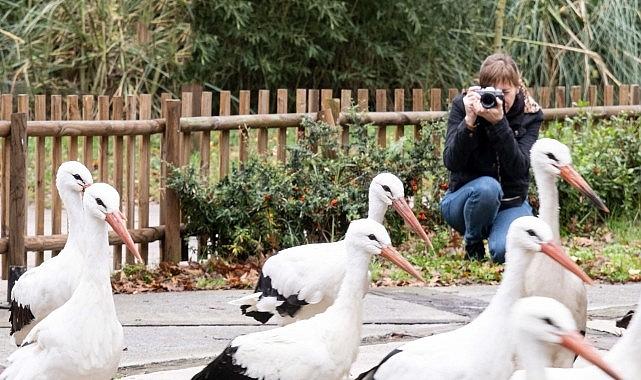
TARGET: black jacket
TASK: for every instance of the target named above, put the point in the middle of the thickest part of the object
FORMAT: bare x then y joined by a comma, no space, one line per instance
501,151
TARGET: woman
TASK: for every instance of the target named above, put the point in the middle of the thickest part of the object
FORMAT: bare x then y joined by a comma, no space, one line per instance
487,152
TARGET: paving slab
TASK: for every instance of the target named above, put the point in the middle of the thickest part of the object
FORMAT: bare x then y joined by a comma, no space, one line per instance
184,373
184,331
212,308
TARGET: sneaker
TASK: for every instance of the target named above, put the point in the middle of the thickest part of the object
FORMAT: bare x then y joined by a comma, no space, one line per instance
475,251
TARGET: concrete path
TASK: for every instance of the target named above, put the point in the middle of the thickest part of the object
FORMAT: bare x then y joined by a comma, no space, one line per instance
172,335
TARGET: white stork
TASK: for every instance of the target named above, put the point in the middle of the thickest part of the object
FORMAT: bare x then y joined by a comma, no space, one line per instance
542,321
324,346
46,287
83,338
302,281
551,159
622,357
483,349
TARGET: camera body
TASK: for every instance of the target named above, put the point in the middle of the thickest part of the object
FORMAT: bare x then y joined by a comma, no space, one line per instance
488,96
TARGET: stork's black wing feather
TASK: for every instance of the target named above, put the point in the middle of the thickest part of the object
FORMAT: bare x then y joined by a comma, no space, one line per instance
289,307
19,316
223,367
369,375
625,320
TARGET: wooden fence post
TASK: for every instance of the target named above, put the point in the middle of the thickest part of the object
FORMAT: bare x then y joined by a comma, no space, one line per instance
17,196
205,138
40,114
635,94
185,138
56,159
172,242
418,104
301,106
87,114
381,106
281,107
163,168
103,148
263,108
131,113
7,109
223,138
399,106
346,103
243,109
143,192
592,95
119,163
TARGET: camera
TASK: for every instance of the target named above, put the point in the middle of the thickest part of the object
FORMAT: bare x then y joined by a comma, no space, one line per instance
488,96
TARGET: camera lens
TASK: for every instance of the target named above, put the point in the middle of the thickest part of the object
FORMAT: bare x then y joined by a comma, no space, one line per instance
488,100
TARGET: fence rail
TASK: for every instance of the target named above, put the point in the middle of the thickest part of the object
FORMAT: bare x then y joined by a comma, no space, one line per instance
127,142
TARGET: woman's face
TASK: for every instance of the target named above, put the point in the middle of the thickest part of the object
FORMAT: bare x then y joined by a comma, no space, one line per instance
509,93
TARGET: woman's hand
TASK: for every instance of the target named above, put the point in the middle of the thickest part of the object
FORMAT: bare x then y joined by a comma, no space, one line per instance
472,102
492,115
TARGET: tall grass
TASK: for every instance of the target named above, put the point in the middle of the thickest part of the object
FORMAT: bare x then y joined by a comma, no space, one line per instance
576,42
99,47
127,46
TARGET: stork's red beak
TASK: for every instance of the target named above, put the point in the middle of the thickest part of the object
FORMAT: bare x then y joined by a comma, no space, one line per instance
404,210
571,176
391,254
575,342
556,253
117,221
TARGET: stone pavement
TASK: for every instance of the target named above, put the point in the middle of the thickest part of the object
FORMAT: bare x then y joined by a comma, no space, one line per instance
172,335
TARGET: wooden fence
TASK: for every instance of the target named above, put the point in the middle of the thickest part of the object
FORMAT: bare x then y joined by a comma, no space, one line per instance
126,142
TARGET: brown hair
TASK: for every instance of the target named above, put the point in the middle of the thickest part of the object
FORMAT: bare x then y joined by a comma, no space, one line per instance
499,68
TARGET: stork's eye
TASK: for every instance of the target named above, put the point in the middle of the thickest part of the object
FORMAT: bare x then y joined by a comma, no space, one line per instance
386,188
531,232
552,157
371,237
548,321
100,202
78,177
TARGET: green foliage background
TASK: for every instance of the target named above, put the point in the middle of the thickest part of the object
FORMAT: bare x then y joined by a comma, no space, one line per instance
607,153
266,206
106,47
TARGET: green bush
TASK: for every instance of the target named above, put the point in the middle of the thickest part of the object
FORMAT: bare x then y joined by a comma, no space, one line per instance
264,206
607,153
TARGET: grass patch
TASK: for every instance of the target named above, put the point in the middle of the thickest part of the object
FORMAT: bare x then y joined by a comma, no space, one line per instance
209,283
612,254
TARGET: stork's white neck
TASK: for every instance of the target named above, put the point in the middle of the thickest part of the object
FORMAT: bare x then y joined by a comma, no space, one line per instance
546,185
376,208
352,290
95,256
532,353
512,285
72,200
497,312
343,320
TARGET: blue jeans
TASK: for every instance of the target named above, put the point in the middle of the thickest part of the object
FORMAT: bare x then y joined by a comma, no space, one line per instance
473,210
